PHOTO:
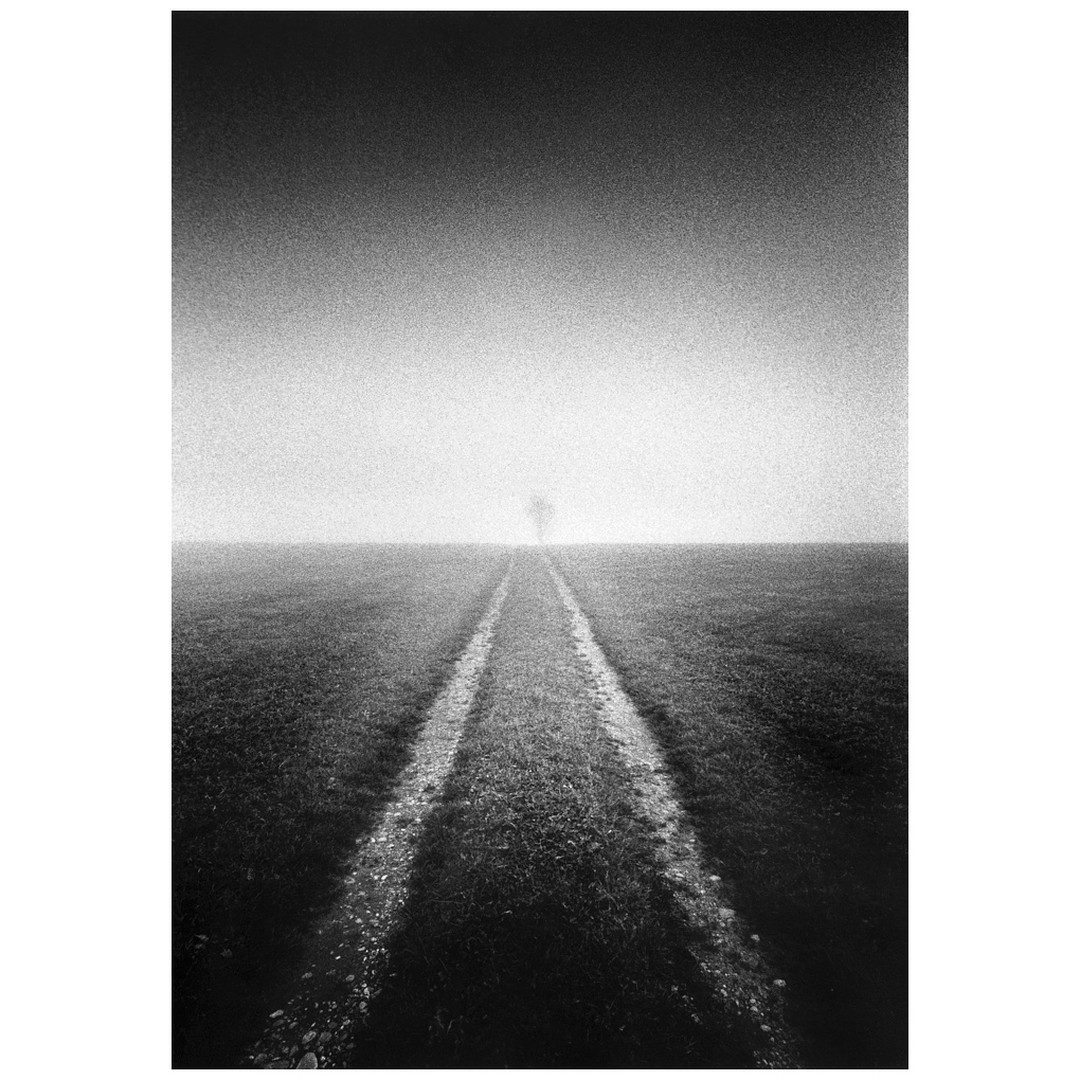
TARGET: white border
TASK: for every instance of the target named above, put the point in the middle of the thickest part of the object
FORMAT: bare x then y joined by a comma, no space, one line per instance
86,92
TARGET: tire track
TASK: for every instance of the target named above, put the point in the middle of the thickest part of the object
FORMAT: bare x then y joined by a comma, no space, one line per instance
726,955
344,958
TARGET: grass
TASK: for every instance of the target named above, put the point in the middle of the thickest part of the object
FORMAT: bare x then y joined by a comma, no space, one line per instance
301,675
775,679
538,931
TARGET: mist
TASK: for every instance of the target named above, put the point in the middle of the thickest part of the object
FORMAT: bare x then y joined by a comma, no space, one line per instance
653,267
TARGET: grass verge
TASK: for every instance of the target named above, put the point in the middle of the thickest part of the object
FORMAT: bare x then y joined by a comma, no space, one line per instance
775,681
301,675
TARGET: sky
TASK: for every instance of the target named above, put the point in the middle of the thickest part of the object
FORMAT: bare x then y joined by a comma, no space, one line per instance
651,267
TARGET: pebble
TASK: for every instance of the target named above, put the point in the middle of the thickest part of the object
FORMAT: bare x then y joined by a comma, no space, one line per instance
779,983
276,1013
308,1037
308,1061
755,937
765,1027
306,975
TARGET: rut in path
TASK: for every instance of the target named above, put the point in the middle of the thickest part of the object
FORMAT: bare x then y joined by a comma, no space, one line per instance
344,958
725,953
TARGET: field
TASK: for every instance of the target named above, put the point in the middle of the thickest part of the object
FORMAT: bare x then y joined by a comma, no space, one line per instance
300,675
776,680
546,919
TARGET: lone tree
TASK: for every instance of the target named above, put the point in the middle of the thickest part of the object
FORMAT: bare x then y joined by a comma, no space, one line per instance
541,512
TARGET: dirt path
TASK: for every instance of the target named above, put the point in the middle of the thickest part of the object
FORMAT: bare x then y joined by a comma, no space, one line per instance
539,904
346,953
726,952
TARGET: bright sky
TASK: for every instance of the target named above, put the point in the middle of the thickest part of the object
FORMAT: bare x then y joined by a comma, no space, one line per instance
655,273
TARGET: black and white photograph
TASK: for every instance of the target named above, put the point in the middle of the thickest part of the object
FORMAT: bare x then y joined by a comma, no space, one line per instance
539,539
540,518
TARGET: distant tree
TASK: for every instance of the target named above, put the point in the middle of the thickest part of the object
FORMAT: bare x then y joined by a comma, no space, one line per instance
541,512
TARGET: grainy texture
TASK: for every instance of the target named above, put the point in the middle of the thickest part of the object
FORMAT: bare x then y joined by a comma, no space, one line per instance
608,881
774,678
301,675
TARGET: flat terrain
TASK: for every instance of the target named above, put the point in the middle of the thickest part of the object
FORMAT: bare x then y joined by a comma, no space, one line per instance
541,873
300,676
775,678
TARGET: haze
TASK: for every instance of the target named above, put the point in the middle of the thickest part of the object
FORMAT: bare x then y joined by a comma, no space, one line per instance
652,267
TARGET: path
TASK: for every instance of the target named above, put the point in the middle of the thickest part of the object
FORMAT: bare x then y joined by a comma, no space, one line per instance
346,957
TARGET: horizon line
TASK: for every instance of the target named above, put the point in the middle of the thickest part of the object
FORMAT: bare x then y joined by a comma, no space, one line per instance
528,543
